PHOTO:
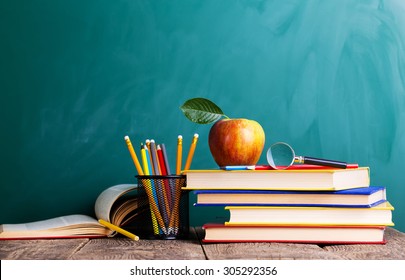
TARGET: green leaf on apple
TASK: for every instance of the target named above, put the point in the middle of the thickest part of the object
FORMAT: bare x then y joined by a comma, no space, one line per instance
202,111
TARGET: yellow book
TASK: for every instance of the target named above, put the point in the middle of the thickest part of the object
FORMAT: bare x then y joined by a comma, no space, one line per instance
294,179
380,215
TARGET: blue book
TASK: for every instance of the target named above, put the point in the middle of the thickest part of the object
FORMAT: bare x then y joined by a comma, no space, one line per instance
357,198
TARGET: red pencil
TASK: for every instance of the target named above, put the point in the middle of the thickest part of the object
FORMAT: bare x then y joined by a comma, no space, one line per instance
167,189
162,163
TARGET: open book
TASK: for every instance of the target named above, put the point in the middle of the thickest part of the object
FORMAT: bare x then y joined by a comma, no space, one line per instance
118,205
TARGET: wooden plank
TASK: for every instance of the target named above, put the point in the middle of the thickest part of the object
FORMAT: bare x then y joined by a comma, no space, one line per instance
255,250
49,249
393,250
125,249
266,251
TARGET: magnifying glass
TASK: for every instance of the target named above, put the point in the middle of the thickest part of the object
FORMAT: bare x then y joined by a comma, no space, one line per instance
280,155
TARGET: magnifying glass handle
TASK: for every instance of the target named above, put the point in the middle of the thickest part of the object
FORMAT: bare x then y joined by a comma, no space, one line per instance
325,162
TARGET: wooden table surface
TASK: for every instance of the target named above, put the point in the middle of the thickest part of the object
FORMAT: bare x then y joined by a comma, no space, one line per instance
121,248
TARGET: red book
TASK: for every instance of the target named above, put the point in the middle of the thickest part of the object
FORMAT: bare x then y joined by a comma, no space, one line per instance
220,233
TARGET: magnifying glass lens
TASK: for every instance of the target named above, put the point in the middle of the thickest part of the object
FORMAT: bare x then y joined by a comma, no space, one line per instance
280,155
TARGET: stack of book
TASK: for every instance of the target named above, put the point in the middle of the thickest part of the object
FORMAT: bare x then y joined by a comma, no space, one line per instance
301,205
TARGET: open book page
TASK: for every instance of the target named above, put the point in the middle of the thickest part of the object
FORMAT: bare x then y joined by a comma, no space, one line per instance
107,198
53,223
65,226
77,225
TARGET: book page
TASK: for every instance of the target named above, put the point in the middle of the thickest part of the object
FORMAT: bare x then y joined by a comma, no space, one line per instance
53,223
107,198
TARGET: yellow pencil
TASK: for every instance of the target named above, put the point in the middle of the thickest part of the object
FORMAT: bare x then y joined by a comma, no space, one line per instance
118,229
148,189
179,154
152,167
191,152
133,155
144,160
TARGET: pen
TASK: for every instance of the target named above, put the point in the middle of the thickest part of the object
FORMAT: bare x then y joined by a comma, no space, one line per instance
191,152
118,229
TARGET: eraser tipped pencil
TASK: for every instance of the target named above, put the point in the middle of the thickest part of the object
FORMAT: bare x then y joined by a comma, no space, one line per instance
191,152
133,155
179,154
118,229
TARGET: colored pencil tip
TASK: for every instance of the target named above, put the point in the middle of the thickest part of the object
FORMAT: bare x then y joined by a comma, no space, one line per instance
126,137
180,137
196,135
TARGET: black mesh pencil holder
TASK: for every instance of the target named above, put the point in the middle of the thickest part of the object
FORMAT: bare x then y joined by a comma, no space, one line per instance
168,205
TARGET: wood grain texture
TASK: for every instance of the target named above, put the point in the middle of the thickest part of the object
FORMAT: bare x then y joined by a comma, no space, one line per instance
126,249
266,251
394,249
54,249
255,250
121,248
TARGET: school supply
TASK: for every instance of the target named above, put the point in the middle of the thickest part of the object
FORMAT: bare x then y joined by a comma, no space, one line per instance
179,154
119,230
359,197
191,152
294,179
295,234
119,205
380,215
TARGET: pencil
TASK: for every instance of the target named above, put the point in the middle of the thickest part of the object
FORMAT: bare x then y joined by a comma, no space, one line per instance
133,155
148,189
144,160
155,161
166,159
118,229
175,215
151,170
168,172
161,158
179,154
166,183
158,185
191,152
153,195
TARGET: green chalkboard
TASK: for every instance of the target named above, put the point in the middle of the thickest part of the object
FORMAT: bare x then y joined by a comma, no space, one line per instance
328,77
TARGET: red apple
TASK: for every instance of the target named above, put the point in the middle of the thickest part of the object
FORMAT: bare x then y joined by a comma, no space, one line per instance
236,142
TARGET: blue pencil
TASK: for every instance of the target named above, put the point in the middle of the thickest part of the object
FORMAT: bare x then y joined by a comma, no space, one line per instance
155,196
